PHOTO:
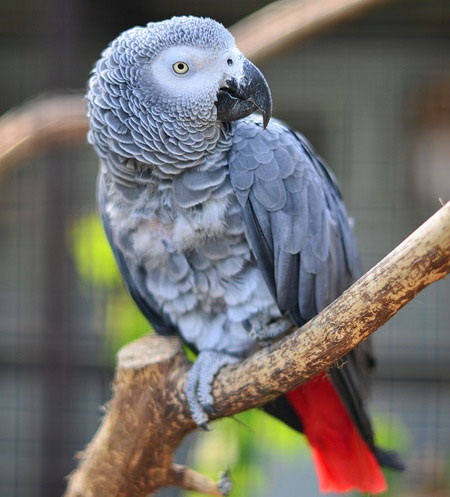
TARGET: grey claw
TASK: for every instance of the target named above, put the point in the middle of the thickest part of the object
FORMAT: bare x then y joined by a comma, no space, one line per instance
208,408
263,332
199,383
225,484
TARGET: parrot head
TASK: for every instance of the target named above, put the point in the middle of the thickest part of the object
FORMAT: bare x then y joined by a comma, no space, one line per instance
182,75
200,68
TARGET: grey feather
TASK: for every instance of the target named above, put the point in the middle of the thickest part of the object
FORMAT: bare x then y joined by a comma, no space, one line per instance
135,277
290,213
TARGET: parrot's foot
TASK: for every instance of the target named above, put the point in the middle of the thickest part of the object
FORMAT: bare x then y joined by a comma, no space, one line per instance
225,484
199,383
262,331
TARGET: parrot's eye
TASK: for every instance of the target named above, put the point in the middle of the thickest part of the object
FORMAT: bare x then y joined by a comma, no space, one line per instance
230,62
180,67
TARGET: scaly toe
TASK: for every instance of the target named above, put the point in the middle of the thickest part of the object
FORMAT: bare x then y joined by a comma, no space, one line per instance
199,384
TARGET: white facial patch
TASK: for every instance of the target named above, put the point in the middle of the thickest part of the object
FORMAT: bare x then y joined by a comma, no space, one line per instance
184,70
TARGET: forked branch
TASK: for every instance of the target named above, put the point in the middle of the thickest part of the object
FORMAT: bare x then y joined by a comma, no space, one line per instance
132,452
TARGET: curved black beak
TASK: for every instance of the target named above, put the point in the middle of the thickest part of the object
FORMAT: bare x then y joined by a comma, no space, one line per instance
239,98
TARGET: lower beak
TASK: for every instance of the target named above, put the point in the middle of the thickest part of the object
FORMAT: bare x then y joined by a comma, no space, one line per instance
240,98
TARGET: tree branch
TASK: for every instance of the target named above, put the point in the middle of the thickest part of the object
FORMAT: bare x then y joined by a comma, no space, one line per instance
281,24
131,454
41,123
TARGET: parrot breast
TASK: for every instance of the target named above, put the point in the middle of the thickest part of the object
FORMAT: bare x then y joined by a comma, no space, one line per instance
197,263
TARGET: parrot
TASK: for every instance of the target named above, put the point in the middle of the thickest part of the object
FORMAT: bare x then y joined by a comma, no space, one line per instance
227,228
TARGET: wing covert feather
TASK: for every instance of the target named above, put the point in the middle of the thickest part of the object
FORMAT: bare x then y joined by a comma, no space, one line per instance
295,220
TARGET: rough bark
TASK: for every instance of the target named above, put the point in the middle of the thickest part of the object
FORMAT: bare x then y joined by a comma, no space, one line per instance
128,455
132,453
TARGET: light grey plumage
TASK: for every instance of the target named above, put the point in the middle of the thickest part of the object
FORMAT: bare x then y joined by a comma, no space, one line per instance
164,190
216,223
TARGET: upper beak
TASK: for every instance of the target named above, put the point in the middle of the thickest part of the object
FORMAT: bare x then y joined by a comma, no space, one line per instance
239,98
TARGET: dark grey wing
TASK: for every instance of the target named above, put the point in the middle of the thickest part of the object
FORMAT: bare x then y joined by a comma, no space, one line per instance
134,277
295,219
299,232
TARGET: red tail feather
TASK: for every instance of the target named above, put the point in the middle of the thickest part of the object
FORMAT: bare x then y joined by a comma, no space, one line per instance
342,458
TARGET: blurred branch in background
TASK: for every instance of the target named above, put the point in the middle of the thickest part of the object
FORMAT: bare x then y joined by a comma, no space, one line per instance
281,24
41,123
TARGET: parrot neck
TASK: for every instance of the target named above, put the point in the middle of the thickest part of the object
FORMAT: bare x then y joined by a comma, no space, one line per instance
178,155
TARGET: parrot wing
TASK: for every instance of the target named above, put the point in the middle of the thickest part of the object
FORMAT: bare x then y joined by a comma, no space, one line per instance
299,232
295,219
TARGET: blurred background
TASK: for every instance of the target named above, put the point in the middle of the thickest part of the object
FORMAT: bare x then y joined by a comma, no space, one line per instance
373,96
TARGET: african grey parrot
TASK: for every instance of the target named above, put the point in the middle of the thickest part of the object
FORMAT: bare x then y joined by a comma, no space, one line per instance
227,229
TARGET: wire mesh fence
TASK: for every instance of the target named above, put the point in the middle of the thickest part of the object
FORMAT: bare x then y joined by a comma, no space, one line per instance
372,96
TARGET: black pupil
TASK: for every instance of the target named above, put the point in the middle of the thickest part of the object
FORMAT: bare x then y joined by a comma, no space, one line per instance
229,62
180,66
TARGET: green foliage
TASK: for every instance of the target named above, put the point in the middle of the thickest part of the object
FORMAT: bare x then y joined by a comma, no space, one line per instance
97,269
93,256
124,321
391,434
239,443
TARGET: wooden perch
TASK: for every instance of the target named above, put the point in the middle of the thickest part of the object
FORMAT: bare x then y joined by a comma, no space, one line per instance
41,123
132,452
